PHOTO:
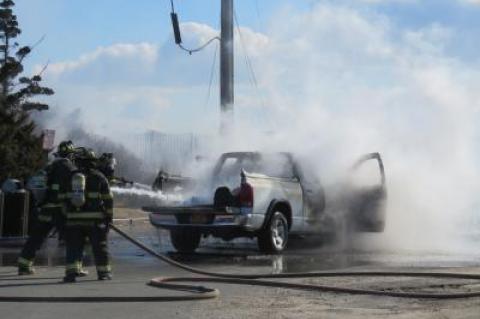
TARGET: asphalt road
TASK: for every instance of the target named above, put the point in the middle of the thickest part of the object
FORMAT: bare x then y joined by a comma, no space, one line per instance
133,268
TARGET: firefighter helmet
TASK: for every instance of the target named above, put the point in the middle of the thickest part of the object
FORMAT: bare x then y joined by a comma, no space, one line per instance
86,154
107,164
65,148
85,157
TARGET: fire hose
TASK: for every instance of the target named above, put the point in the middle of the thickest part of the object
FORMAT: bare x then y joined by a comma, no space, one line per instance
264,280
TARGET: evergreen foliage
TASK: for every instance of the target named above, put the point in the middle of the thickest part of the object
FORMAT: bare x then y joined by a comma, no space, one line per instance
20,146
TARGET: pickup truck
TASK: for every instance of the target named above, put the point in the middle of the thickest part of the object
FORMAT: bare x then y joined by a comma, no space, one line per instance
271,196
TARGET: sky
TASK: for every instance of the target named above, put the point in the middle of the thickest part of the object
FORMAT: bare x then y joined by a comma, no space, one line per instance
113,44
330,80
73,28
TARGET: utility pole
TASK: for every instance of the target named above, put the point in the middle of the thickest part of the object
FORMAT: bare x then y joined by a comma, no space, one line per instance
226,67
226,61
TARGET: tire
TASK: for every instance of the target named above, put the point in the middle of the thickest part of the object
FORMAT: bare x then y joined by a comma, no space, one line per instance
185,241
273,238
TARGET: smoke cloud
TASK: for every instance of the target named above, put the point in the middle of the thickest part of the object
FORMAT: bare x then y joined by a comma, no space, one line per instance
341,83
333,83
348,83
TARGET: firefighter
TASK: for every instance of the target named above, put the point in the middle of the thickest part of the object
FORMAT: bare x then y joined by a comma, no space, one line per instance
89,213
106,165
55,178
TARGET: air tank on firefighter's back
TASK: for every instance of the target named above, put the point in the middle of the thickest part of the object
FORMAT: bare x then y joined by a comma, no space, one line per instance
78,190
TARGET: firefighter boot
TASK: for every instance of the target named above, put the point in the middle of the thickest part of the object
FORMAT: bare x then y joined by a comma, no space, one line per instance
70,278
82,273
25,267
104,276
23,271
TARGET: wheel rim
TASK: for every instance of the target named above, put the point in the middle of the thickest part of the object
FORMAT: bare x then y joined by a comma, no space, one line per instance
279,233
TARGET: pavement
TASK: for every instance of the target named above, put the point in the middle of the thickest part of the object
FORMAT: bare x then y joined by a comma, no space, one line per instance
133,269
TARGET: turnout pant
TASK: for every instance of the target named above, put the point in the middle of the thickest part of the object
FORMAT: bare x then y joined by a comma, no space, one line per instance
37,237
76,236
43,225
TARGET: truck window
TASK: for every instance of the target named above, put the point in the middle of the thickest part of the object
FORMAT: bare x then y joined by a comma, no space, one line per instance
272,165
276,165
230,166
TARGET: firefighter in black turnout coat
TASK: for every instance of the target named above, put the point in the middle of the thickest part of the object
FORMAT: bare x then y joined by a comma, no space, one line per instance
51,208
89,212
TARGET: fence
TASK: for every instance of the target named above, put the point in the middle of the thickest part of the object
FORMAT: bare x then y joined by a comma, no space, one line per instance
170,152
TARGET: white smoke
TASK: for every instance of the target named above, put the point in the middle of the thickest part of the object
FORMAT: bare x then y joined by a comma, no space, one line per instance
336,82
345,83
342,83
149,197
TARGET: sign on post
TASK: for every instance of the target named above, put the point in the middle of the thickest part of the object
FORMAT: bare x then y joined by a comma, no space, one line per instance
48,139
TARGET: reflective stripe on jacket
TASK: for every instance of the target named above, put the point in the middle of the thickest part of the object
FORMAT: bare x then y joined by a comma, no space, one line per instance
58,184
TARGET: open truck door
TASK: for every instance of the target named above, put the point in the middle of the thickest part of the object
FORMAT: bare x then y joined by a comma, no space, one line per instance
367,204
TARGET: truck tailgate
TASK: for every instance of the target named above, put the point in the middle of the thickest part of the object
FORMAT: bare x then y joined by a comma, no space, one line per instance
204,217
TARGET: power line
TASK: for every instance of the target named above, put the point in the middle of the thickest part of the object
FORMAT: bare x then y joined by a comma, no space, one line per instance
200,48
257,9
251,71
212,75
178,38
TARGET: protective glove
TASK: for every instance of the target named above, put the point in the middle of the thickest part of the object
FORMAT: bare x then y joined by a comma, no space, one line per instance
108,220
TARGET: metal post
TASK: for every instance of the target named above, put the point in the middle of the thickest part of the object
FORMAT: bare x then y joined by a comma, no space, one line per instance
26,214
2,201
226,66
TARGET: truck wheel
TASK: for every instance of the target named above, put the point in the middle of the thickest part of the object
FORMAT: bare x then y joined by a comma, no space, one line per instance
185,241
273,239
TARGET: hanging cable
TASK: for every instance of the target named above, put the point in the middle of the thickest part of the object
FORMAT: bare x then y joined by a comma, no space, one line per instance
251,71
190,51
212,75
178,36
257,8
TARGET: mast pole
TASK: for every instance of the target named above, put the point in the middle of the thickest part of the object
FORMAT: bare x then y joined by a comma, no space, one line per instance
226,67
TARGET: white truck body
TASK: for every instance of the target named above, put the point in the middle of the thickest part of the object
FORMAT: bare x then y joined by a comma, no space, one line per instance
284,192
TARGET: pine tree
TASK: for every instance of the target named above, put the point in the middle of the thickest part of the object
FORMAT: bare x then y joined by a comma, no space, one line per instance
20,147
